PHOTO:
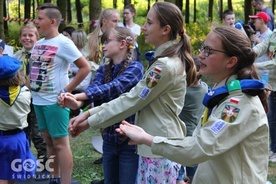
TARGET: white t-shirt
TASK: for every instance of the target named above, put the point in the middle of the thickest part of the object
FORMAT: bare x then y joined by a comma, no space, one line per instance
136,29
8,50
49,68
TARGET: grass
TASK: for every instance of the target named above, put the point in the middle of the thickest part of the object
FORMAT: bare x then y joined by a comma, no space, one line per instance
84,155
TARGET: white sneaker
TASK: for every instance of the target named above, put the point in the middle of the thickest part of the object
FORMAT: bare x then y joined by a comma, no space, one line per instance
272,157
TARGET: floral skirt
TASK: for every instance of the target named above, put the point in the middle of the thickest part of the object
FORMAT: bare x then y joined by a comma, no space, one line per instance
157,171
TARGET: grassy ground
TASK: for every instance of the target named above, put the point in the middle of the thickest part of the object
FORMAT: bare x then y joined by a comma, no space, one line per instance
84,155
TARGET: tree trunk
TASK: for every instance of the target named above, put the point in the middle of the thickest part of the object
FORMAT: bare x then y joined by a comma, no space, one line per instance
127,2
220,9
148,5
95,8
2,7
210,10
6,28
27,9
229,3
195,11
62,8
248,10
115,4
79,15
187,11
179,4
69,12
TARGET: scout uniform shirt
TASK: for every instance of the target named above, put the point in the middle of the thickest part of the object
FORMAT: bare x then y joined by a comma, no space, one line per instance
158,99
231,147
14,108
268,46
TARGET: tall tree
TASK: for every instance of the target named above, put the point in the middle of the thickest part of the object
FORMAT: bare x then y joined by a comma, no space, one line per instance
248,10
210,9
1,20
62,8
115,4
187,12
195,11
179,4
148,5
27,9
220,9
69,12
229,3
95,8
78,11
6,28
127,2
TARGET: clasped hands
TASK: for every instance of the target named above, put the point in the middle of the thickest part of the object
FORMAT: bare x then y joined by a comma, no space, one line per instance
79,123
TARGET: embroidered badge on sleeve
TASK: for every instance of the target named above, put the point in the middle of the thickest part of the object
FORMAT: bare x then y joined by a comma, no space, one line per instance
154,77
230,113
144,93
217,127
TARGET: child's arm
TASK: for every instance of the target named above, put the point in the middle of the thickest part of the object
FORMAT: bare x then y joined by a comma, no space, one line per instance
84,69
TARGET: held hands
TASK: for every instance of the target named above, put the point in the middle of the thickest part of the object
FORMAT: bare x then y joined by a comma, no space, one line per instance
135,133
79,124
68,100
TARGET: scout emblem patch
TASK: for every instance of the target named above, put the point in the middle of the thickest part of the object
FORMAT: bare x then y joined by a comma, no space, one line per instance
230,113
153,77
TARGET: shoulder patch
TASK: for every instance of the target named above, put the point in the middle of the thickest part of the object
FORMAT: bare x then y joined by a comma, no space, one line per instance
144,93
230,113
217,127
152,79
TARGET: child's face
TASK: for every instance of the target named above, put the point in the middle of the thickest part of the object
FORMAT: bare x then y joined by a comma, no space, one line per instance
42,22
216,64
112,48
128,14
28,38
153,31
111,22
229,20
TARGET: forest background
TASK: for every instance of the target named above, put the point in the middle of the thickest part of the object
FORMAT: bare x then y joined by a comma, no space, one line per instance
199,15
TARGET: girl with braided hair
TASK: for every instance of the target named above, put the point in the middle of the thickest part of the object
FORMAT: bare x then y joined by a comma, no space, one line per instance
119,75
158,98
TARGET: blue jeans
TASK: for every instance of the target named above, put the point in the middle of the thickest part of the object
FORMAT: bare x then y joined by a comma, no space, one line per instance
120,163
272,120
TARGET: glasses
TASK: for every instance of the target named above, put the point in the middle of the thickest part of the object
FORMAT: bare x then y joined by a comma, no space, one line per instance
107,41
206,50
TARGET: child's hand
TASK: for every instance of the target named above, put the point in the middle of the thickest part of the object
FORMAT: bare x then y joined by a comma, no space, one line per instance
78,124
135,133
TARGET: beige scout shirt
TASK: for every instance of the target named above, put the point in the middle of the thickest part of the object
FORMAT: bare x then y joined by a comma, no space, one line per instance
158,99
268,46
16,116
227,153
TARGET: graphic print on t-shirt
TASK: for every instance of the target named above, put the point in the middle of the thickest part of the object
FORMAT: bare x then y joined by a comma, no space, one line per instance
42,68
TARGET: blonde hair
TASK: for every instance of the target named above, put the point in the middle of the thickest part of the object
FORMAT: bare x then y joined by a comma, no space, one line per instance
79,37
121,33
30,25
94,41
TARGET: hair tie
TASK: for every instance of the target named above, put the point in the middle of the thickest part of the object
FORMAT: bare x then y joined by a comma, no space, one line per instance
181,32
129,39
130,47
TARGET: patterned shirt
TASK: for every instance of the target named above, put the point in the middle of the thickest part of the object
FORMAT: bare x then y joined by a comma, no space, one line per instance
100,92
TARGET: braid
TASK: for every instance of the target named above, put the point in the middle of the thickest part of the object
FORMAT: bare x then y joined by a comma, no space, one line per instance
108,71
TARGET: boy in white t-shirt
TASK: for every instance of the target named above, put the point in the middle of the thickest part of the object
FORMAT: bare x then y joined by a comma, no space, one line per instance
50,60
